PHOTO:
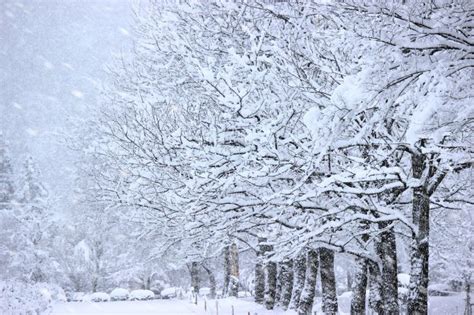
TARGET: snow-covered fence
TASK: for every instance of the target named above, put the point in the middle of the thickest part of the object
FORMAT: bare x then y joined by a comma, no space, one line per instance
215,311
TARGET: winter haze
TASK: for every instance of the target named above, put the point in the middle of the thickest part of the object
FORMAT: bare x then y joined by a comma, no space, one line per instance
54,55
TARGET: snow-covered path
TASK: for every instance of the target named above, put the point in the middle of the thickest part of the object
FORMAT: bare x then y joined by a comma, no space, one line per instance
156,307
452,305
168,307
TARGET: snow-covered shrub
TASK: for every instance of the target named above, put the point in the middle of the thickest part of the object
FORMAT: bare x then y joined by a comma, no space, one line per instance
243,294
100,297
76,296
18,298
61,298
440,289
169,293
55,292
119,294
157,292
204,291
45,292
141,295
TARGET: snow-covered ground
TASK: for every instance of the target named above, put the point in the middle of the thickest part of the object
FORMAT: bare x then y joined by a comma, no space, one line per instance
161,307
446,305
158,307
438,306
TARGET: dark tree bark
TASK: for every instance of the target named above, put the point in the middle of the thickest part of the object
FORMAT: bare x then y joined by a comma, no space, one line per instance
418,298
195,281
226,271
286,280
360,287
359,297
387,251
212,282
467,287
305,304
95,281
270,287
375,284
278,284
349,280
234,270
299,267
259,273
259,283
270,272
328,281
147,283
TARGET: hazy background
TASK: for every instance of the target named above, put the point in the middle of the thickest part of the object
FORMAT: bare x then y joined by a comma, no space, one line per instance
53,57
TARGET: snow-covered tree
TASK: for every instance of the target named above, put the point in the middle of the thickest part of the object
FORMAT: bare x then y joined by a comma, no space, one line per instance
35,220
319,127
6,176
6,200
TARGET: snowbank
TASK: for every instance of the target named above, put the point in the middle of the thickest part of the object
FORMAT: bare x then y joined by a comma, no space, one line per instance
169,293
440,289
119,294
99,297
141,295
243,294
52,292
76,296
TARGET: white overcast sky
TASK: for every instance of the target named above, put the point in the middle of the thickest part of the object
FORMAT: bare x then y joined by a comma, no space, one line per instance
53,55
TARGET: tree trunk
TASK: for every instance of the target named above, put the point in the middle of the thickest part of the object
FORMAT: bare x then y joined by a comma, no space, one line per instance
95,281
234,270
286,280
299,267
226,270
468,309
305,304
278,284
213,285
375,284
259,283
359,297
418,298
212,282
328,281
270,272
270,287
387,251
349,281
259,273
195,277
360,287
148,283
